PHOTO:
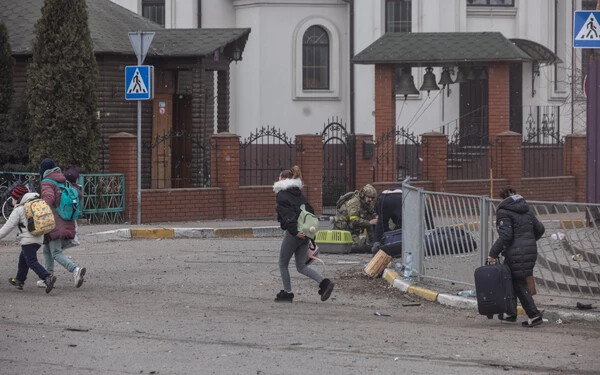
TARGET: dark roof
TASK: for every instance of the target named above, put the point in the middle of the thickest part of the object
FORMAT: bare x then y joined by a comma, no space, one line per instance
437,49
538,52
109,27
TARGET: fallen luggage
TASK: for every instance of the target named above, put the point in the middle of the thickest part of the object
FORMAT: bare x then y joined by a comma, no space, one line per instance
493,285
449,241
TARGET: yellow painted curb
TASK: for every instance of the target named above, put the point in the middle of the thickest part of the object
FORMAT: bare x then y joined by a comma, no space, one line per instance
152,233
422,292
571,224
234,232
390,276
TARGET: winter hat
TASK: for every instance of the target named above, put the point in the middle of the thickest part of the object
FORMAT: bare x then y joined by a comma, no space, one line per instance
72,174
18,192
45,165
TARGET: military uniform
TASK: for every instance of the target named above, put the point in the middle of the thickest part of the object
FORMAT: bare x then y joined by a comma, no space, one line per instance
354,216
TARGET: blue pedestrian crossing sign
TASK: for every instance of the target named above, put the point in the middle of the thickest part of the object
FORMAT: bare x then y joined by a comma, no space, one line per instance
139,82
586,29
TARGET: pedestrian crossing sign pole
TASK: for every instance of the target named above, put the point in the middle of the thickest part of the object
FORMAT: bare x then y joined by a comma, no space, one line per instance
139,82
586,29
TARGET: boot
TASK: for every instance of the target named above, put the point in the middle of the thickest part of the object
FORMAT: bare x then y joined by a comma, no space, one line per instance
284,296
325,289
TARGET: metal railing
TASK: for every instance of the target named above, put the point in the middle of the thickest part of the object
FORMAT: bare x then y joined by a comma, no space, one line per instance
103,195
264,154
404,148
451,235
542,145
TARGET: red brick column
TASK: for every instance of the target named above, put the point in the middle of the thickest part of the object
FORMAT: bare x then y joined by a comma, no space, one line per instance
385,99
435,152
225,170
309,157
498,102
122,157
575,163
506,158
364,165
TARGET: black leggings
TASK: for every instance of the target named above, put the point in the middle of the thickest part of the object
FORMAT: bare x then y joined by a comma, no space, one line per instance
522,293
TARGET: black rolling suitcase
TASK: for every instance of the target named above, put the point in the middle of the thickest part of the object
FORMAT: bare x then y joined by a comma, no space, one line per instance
493,285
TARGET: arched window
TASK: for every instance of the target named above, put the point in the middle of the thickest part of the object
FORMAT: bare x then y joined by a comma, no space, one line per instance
315,59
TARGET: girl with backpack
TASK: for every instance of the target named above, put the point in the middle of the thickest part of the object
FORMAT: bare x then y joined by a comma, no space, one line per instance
289,199
29,243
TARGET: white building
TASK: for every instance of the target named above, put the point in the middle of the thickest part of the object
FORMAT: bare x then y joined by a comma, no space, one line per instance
274,86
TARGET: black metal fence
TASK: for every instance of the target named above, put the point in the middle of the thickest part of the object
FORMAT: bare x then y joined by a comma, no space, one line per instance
264,154
404,148
178,160
543,147
338,171
468,146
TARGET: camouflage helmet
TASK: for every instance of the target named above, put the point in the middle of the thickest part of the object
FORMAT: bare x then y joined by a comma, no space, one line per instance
368,191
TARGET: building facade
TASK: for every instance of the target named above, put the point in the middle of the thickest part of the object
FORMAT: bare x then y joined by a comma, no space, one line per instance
296,71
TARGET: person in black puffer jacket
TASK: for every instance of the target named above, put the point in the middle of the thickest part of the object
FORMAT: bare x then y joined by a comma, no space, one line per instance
289,200
518,232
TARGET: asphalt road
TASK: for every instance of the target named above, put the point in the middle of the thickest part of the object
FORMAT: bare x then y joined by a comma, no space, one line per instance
206,307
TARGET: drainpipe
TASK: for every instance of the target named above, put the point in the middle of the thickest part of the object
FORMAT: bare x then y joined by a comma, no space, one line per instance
199,14
351,88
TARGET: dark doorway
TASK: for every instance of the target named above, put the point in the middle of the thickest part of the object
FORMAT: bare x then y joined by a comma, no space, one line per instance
473,108
516,97
182,141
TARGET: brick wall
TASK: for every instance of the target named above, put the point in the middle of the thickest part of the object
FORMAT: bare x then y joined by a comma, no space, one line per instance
161,205
506,158
575,163
385,99
562,189
364,166
475,187
123,159
498,103
435,151
309,157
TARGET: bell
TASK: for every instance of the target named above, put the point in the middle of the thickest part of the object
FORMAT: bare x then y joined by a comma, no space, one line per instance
460,76
471,75
483,74
429,81
445,78
406,86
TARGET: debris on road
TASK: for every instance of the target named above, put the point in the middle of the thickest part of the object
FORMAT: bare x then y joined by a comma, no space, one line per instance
381,314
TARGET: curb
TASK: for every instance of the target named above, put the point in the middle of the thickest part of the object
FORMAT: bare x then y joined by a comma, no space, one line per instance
171,233
469,303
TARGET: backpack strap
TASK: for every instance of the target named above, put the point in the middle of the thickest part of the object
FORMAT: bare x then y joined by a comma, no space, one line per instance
312,246
54,182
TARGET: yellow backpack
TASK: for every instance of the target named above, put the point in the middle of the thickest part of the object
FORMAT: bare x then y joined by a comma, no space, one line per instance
40,219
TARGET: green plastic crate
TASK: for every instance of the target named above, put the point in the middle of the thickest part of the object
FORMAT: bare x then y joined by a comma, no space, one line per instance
334,241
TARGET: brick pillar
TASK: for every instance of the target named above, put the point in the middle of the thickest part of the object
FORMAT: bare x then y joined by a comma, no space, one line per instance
498,102
309,157
122,158
575,163
225,170
506,158
364,163
435,152
385,99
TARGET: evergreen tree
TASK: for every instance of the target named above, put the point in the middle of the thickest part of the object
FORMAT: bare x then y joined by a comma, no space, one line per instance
61,88
6,71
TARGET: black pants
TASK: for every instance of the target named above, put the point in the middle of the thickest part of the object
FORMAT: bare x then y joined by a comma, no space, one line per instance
27,260
522,293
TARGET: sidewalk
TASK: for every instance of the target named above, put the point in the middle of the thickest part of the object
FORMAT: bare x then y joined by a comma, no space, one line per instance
270,228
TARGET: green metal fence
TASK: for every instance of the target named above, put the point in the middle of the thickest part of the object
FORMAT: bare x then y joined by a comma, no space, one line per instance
103,194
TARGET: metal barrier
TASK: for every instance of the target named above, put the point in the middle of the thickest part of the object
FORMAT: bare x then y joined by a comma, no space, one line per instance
103,195
454,232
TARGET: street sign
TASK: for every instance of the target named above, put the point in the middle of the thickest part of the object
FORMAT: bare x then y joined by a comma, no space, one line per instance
586,29
140,41
139,82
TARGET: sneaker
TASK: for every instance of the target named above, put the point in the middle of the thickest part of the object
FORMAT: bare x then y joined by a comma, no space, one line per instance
16,283
41,284
507,318
325,289
284,296
532,322
49,283
78,274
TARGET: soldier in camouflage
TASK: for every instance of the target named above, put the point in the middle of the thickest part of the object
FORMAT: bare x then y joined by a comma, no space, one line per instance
357,214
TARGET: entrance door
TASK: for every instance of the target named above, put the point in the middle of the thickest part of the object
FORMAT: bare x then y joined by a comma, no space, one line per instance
516,97
161,130
473,111
182,142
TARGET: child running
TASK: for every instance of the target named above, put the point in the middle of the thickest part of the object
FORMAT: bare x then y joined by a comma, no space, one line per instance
289,200
29,243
